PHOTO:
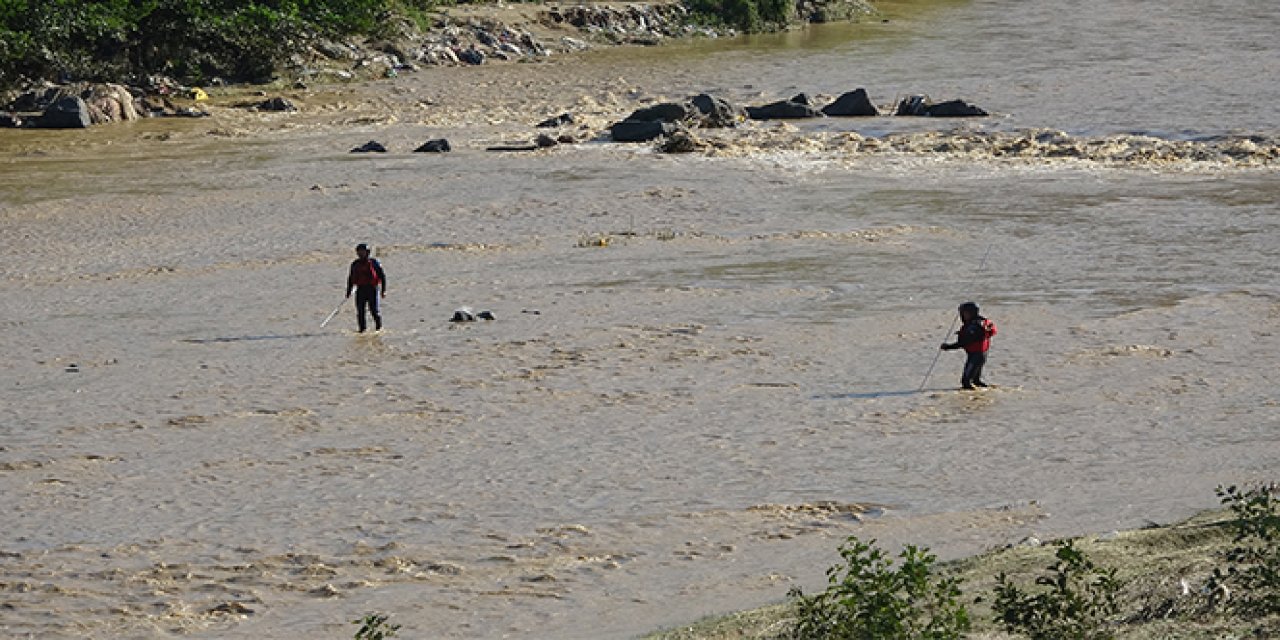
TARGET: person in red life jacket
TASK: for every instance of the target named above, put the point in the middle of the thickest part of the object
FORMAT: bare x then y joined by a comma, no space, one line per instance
366,278
974,337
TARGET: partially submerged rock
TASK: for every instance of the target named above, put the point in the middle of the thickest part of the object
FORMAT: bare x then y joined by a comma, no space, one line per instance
665,112
783,110
440,145
372,146
276,104
666,118
69,112
543,141
55,106
955,109
557,121
640,131
921,105
852,103
717,112
111,103
465,314
681,141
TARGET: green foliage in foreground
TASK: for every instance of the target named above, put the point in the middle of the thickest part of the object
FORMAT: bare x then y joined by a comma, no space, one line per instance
191,39
868,597
375,627
1077,601
1216,575
1253,568
1075,597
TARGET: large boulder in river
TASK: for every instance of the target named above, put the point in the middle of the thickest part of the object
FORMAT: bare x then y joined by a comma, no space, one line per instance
653,122
278,103
439,145
111,103
69,112
640,130
852,103
783,110
681,141
665,112
717,112
919,105
955,109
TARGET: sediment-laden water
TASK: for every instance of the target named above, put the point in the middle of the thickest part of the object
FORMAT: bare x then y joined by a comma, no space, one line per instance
706,368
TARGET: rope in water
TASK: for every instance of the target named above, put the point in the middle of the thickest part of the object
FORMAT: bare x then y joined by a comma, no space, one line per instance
951,328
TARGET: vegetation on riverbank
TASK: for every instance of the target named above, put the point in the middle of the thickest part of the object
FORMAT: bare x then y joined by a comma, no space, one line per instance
190,39
1216,575
196,40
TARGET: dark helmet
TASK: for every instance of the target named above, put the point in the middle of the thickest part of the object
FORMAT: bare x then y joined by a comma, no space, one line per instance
362,247
971,307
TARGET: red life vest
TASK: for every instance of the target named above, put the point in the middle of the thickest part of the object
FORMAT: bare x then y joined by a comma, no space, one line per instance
981,346
364,273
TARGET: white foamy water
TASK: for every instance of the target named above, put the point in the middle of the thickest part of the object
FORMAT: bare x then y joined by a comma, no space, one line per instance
686,421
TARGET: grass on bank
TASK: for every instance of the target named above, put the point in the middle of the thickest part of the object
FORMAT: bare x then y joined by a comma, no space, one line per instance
1207,577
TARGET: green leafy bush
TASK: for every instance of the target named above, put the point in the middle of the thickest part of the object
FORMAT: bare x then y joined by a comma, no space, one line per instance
1078,600
869,598
375,627
750,16
192,39
1254,563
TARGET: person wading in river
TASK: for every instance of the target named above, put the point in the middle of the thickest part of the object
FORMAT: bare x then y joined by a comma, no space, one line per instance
367,279
974,337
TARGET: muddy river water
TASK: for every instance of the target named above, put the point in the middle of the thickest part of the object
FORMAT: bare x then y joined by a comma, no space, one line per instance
706,370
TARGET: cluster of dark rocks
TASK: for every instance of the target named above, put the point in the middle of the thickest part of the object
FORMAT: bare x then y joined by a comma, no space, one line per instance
706,111
700,111
81,105
465,314
441,145
633,24
471,42
474,41
277,103
920,105
438,145
819,11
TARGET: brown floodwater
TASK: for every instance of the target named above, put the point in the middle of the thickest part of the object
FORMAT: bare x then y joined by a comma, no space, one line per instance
686,419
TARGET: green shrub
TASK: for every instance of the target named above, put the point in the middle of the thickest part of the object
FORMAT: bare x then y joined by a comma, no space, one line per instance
1076,605
1254,563
750,16
868,598
375,627
191,39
